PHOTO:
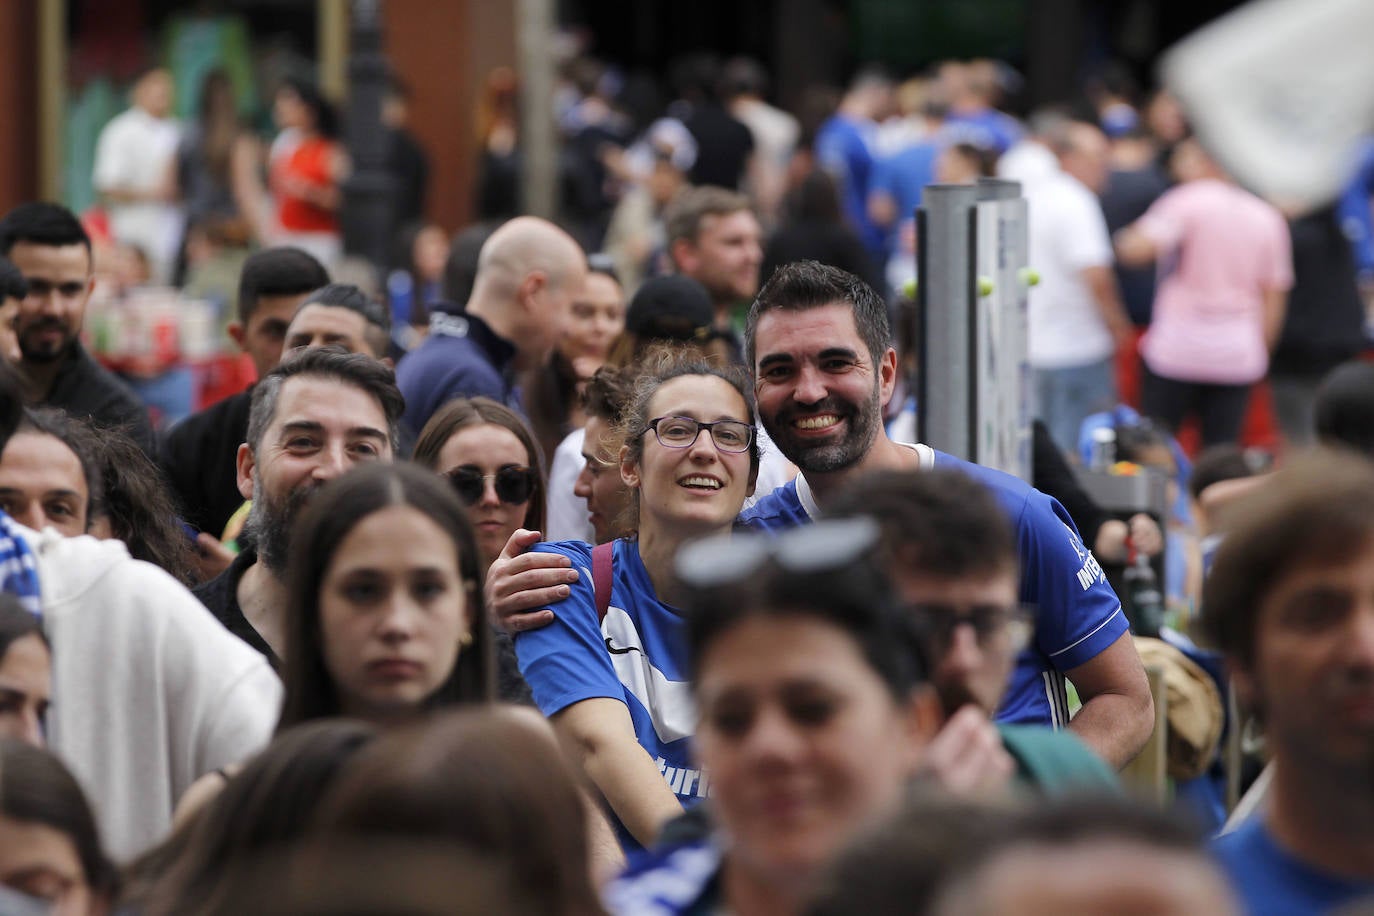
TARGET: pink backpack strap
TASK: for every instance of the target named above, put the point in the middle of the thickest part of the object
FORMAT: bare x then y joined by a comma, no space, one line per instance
602,555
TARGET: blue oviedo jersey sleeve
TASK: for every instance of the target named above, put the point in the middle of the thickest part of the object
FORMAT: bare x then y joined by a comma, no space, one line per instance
567,662
1077,612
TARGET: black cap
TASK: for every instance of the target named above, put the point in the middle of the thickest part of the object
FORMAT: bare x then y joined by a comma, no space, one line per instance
670,308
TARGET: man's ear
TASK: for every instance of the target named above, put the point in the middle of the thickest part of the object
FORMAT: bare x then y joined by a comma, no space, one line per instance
535,282
388,362
243,466
887,376
684,255
240,335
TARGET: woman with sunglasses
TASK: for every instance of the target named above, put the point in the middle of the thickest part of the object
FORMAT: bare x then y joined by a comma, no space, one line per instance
490,459
611,670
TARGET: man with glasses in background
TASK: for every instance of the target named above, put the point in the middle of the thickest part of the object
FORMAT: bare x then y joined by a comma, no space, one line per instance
953,560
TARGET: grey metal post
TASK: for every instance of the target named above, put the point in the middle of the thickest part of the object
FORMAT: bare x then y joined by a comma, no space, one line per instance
945,385
538,136
1002,365
368,191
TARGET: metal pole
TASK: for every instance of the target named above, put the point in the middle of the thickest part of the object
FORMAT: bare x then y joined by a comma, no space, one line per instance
538,134
367,208
945,386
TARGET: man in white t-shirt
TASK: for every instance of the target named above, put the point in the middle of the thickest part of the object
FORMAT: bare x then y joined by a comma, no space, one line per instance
133,173
1076,316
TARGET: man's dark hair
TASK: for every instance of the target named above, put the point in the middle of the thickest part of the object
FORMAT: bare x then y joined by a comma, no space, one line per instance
138,503
347,296
12,282
11,401
356,369
936,522
682,219
804,285
608,393
857,599
42,223
282,271
460,269
1218,463
1317,510
1066,824
901,864
743,76
1343,411
82,438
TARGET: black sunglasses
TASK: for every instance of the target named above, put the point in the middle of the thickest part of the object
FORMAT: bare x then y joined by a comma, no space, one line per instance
514,484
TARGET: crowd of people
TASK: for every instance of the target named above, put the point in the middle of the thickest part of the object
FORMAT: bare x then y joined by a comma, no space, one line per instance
594,568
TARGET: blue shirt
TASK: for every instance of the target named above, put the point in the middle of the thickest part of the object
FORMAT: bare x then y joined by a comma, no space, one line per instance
1270,882
844,149
460,358
904,175
676,881
1077,613
987,129
637,655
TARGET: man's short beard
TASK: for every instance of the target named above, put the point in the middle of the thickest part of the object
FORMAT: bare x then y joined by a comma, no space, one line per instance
864,420
36,355
269,524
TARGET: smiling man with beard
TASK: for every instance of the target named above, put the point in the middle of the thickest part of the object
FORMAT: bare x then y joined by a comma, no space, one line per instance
819,342
53,253
318,414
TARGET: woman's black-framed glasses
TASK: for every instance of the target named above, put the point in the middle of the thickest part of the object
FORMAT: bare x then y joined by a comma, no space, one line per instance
514,484
681,432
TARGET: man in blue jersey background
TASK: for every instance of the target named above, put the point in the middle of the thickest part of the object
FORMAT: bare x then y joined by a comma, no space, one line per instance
818,342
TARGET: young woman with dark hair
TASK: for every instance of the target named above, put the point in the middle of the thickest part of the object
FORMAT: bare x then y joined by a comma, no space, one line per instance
49,844
385,614
25,673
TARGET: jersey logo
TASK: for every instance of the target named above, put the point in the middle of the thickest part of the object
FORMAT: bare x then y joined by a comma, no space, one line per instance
669,703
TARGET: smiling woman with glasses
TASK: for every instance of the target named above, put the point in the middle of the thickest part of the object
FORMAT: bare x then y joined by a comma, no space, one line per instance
611,670
490,459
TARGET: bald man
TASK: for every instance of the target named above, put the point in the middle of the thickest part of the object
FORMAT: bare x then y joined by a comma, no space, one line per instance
527,275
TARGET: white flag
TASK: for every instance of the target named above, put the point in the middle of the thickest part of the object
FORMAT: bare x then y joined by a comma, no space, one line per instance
1280,92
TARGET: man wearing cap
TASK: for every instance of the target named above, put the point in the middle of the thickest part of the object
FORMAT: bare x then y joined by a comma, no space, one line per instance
528,272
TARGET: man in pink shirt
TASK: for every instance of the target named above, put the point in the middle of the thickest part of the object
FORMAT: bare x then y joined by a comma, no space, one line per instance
1225,268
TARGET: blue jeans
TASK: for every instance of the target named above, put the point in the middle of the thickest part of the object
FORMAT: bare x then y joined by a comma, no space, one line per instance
1064,398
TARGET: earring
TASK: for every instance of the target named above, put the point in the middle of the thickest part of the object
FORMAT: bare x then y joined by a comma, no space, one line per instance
466,639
